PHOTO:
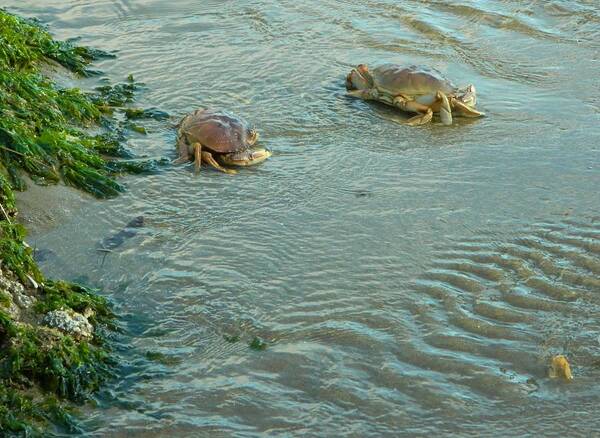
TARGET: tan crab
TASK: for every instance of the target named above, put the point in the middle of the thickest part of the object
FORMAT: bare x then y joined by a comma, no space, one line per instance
416,89
216,138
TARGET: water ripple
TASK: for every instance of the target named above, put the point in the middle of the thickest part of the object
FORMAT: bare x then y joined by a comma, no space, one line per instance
403,280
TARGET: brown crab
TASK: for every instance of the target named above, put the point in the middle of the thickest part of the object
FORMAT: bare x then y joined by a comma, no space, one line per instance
216,138
416,89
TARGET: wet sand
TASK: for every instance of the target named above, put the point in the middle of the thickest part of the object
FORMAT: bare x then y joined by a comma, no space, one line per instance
43,208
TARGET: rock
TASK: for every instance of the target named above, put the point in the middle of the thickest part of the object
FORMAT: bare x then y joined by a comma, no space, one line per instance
8,305
20,299
23,300
70,322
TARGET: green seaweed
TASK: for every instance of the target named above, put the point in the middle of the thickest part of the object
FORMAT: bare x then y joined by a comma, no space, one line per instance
54,361
57,295
136,166
7,198
37,135
24,43
5,300
34,359
52,134
43,127
19,413
44,360
232,339
117,95
16,256
137,128
109,144
258,344
149,113
164,359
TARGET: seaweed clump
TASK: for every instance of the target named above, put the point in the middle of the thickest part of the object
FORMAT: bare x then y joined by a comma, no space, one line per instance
52,134
44,128
43,368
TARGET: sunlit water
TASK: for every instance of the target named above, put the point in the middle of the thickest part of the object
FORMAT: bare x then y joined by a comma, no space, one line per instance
405,280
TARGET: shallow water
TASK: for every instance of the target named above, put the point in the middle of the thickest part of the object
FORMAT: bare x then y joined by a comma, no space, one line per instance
405,280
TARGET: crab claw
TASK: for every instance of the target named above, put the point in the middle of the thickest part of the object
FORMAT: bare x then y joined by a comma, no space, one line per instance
248,157
469,97
253,136
350,80
464,103
359,78
465,110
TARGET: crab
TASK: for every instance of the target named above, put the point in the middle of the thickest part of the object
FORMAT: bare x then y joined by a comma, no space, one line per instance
217,138
416,89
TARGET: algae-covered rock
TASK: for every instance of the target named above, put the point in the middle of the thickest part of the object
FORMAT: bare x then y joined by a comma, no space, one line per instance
70,322
17,290
8,305
14,298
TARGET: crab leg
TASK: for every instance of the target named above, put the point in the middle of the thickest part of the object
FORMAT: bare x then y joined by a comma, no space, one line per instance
197,156
445,111
414,107
246,158
208,159
366,94
182,148
470,96
180,160
372,94
465,103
